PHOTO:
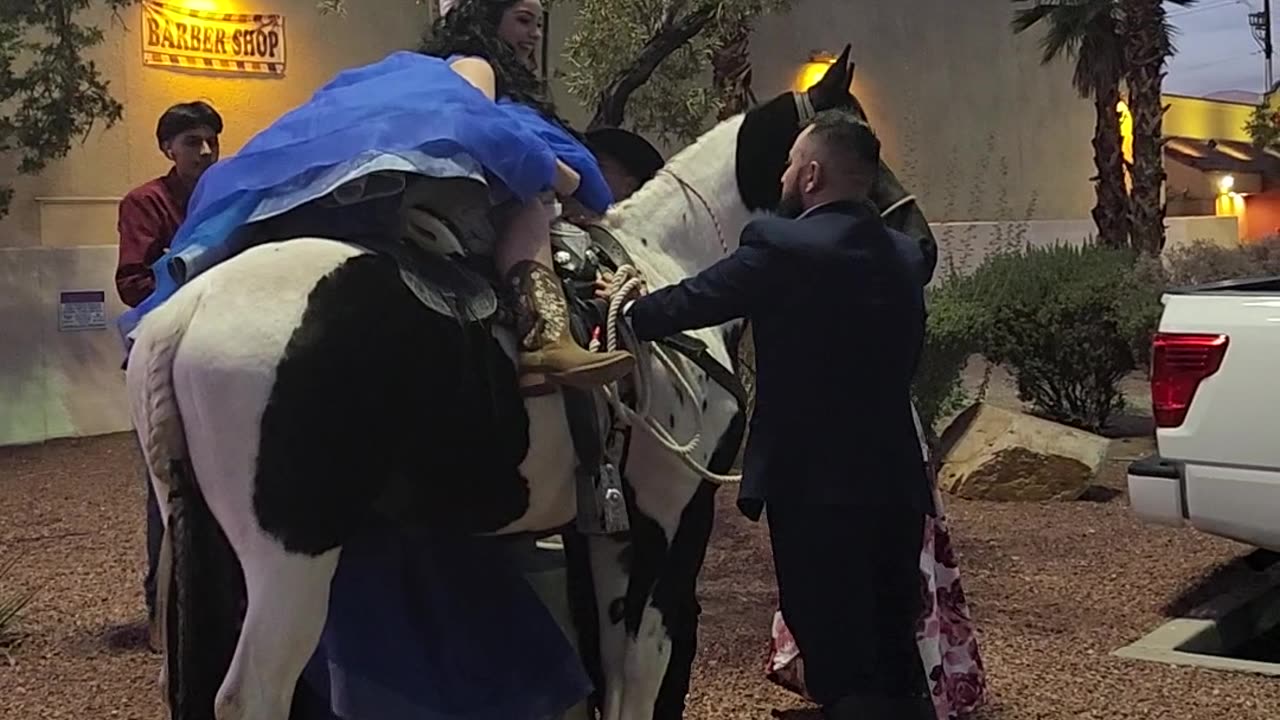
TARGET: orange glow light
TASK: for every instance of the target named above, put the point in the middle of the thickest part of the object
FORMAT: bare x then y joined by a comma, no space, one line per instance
1229,204
811,72
204,5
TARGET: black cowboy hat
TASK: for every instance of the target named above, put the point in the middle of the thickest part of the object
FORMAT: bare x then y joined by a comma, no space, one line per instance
636,154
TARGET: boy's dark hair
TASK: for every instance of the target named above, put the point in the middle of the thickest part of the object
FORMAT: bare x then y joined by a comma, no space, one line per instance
186,116
637,155
851,141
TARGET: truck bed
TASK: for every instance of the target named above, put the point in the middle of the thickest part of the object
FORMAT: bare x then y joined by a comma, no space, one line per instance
1216,389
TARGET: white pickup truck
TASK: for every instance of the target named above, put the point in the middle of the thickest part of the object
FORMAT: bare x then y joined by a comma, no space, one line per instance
1215,394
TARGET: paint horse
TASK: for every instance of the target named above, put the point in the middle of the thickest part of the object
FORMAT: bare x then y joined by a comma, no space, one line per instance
299,392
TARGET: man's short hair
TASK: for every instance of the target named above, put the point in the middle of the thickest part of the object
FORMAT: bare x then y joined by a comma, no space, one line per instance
850,142
186,116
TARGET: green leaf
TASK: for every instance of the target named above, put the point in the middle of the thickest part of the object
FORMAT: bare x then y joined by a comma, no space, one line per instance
678,103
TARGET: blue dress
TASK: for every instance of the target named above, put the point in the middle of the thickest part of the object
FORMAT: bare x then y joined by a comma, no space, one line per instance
419,628
452,632
407,108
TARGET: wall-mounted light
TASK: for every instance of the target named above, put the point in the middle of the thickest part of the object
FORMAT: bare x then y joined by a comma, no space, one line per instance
204,5
1229,203
812,71
1126,130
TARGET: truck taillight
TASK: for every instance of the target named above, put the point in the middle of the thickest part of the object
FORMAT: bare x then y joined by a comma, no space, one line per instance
1179,363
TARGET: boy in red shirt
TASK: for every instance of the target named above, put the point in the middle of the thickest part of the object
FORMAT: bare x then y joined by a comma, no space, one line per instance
150,215
152,212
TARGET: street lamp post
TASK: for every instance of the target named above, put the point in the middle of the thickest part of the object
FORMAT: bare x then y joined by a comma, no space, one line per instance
1260,23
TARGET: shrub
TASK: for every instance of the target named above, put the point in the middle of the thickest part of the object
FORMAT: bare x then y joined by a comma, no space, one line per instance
1194,264
1204,262
1064,320
951,337
1139,307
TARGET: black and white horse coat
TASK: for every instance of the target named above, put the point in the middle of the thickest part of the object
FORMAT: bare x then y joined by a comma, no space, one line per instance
310,396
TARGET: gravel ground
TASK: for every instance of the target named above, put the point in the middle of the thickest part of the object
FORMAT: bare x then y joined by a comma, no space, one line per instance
1055,588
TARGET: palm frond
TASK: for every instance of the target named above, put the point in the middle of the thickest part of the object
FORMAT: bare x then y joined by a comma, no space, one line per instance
1082,30
1026,18
11,606
1171,31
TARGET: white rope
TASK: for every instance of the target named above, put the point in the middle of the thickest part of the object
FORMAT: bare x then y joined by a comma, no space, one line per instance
625,284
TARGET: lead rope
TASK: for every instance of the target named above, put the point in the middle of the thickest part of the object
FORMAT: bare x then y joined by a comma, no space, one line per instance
626,283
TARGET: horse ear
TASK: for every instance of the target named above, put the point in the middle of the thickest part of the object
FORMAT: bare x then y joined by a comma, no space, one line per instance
843,62
833,89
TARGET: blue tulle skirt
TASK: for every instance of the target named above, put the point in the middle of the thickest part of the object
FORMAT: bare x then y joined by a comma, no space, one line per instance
406,105
429,628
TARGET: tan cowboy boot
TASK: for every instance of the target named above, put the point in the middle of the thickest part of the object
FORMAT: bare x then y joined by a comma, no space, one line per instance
548,348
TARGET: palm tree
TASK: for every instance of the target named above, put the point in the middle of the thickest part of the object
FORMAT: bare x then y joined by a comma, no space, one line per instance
1148,44
1088,32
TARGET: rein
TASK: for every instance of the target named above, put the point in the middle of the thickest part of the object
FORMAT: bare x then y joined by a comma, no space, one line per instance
724,245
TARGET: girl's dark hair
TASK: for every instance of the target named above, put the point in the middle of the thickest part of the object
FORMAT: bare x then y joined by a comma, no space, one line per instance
471,28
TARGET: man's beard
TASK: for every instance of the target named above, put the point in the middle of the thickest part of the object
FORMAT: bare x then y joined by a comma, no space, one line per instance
790,205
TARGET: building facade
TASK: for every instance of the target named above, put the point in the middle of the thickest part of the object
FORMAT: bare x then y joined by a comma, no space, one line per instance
1214,168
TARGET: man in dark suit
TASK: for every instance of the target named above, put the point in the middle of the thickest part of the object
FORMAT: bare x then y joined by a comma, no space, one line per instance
836,300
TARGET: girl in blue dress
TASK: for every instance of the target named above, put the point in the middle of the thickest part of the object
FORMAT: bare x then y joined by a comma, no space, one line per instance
493,45
424,626
474,92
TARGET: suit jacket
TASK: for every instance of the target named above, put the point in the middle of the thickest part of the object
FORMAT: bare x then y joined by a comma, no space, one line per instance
837,306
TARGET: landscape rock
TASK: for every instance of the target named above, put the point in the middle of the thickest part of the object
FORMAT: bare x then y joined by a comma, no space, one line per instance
990,453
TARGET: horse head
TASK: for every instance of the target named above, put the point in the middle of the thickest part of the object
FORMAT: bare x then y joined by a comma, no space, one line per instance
762,157
769,130
730,174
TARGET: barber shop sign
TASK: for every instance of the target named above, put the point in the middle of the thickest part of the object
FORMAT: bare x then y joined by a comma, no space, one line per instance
235,43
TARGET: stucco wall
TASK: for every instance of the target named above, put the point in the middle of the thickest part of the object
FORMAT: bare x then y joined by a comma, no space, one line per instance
976,126
112,161
1206,119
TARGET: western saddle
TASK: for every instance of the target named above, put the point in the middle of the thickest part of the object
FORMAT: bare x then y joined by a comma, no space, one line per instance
439,233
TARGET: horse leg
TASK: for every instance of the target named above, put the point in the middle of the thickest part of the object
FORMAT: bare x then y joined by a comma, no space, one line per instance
645,658
610,578
658,612
635,646
288,602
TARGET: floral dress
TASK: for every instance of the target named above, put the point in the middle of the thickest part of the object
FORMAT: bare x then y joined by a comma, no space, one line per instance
945,632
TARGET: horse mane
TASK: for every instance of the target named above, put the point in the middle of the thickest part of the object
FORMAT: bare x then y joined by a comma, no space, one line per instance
662,181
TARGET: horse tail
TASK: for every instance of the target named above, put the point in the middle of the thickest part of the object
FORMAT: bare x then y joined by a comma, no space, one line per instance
208,595
156,417
188,607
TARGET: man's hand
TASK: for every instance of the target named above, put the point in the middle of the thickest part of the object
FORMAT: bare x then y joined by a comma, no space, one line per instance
605,279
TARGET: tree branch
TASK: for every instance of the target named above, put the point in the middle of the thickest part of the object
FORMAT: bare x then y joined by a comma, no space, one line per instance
612,105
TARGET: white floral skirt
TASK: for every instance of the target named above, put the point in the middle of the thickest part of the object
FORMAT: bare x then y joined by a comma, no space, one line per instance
945,633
